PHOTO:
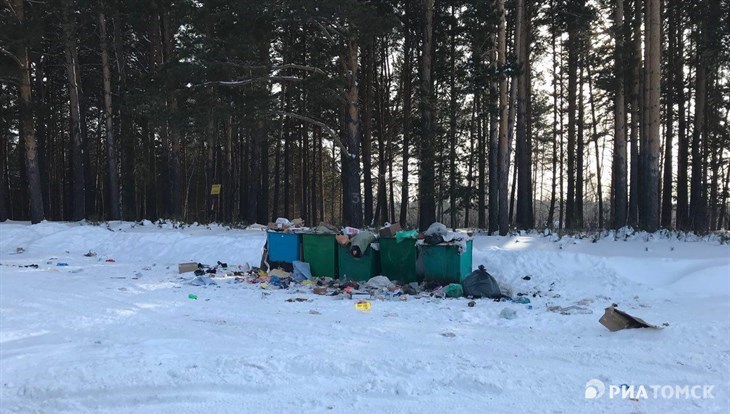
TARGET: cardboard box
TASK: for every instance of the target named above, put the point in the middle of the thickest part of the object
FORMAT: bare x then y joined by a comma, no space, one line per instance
616,320
389,231
187,267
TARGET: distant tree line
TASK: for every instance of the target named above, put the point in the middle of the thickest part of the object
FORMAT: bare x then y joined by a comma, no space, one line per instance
496,114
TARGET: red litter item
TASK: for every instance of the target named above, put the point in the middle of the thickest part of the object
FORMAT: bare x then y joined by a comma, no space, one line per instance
349,289
110,260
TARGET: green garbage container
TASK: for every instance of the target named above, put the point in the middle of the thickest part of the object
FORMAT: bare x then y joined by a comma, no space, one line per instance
358,268
443,263
398,260
320,251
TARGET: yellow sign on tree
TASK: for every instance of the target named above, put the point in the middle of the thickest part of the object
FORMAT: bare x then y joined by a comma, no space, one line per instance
215,189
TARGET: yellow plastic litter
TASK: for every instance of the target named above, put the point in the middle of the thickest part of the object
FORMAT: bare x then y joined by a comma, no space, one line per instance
363,306
307,283
264,285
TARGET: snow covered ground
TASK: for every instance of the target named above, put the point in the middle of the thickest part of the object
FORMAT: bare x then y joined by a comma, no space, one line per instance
87,337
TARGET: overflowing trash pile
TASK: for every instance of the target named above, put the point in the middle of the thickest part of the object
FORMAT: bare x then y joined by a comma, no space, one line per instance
479,284
350,263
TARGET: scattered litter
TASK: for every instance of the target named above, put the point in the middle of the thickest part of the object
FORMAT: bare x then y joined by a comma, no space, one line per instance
350,231
280,273
448,334
363,306
526,278
90,254
187,267
360,243
314,312
570,310
319,290
110,260
379,282
616,320
193,297
117,277
471,304
202,281
389,230
34,266
521,299
301,272
19,250
454,290
343,239
298,300
62,264
508,313
406,234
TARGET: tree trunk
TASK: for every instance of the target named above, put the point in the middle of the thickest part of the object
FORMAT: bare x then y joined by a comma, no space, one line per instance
682,221
525,219
699,135
494,124
426,196
503,145
111,142
666,216
124,121
78,191
287,155
636,112
452,123
382,102
653,48
573,50
368,71
27,131
468,194
551,210
594,124
352,210
580,144
406,74
619,182
4,193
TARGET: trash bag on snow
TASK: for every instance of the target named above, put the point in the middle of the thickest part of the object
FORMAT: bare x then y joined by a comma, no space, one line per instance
479,283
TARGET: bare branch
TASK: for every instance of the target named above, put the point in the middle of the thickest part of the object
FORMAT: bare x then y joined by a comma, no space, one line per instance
324,29
12,9
253,80
331,132
12,56
300,67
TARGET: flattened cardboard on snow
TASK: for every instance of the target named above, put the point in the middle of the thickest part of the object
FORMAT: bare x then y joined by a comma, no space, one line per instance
187,267
389,231
616,320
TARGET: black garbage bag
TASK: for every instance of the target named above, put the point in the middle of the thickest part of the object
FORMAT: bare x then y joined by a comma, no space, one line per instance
479,284
433,239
